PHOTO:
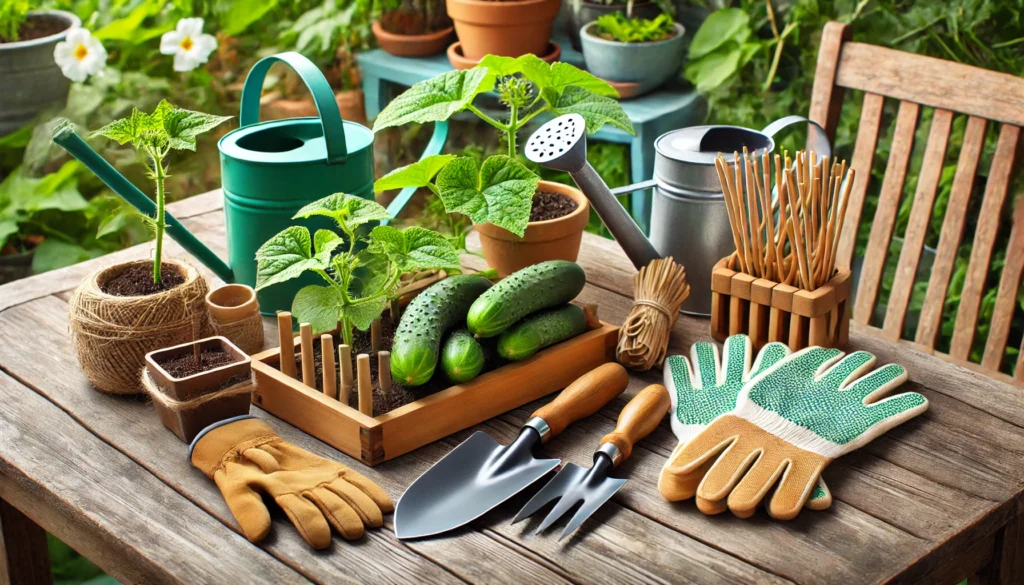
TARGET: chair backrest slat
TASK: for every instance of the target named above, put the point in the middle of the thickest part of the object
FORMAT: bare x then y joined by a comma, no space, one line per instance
1006,298
984,241
932,82
863,156
952,232
884,220
917,225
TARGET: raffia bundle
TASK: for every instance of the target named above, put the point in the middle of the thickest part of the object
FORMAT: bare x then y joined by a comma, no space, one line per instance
659,289
112,334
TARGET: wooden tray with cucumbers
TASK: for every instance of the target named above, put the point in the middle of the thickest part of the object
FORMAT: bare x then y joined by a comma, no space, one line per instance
463,351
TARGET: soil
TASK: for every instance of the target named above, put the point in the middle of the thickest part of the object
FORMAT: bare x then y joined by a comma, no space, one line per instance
137,280
411,22
185,364
37,27
548,205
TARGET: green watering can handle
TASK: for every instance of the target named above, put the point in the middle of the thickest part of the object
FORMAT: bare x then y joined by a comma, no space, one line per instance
323,97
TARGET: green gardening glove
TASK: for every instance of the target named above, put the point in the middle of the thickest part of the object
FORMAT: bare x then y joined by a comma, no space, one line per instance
698,398
791,420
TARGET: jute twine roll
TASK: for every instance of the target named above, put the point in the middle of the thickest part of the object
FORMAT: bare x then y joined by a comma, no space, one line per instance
112,334
246,333
150,386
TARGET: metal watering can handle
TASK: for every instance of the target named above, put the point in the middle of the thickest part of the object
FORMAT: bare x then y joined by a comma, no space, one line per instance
323,98
817,139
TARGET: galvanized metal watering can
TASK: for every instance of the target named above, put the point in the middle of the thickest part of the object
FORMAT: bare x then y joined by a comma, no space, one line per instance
269,170
688,220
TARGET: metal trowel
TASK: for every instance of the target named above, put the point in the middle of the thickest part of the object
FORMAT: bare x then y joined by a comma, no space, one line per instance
593,487
480,473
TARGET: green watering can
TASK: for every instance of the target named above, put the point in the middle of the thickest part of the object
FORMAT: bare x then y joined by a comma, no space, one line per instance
269,170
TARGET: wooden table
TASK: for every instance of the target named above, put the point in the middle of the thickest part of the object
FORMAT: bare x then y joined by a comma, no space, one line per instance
935,500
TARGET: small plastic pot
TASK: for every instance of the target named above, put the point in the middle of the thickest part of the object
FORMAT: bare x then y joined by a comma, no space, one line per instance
186,424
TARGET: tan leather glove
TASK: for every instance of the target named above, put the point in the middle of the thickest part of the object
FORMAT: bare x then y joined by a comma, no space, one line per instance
246,459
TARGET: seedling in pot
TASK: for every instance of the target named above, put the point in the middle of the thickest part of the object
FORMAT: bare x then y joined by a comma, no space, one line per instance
501,190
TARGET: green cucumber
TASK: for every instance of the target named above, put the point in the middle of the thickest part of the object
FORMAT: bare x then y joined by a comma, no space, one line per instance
462,356
538,331
437,310
537,287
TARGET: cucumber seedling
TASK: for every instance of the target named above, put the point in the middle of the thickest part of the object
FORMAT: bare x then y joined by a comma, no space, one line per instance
360,267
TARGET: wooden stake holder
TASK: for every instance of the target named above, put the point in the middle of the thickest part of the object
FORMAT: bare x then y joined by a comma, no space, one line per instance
375,439
770,311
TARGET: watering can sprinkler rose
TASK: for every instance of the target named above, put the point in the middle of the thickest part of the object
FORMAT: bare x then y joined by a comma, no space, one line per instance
269,171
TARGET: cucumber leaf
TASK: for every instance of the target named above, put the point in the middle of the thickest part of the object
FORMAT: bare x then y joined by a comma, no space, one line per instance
597,110
348,210
436,99
501,193
320,306
290,253
414,248
418,174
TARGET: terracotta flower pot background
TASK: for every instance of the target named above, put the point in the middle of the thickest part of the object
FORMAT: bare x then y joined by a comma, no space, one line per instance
460,61
510,28
553,239
412,45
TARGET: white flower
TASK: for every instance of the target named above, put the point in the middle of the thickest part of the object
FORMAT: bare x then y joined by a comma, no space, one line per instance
188,44
79,55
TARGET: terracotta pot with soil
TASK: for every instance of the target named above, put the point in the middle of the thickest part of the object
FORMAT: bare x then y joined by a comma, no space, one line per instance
190,394
118,314
560,214
414,29
503,27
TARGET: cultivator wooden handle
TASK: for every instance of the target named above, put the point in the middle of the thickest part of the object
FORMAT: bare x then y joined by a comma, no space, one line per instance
638,419
583,397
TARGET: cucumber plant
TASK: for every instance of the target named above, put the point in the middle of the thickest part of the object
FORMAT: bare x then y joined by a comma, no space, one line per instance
499,191
361,268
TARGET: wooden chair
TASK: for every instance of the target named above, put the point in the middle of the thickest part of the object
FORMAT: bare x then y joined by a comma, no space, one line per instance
951,89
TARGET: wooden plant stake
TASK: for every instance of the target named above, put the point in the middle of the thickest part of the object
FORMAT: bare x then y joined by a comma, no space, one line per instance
384,370
345,365
330,370
284,339
308,373
365,386
375,338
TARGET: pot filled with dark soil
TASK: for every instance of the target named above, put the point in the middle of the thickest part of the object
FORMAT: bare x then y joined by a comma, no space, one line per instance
559,215
414,29
196,384
32,80
119,314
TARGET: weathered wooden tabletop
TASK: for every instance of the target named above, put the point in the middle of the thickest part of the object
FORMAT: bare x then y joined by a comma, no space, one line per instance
935,500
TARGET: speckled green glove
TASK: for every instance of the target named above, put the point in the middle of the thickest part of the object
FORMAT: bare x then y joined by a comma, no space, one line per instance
698,398
791,420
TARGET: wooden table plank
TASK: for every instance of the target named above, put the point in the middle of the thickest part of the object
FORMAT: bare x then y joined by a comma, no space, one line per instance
122,518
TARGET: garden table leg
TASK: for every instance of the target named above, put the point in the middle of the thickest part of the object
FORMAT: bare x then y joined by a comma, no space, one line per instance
24,559
376,94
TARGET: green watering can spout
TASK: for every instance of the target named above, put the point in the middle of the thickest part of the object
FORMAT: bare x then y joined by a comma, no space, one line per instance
65,136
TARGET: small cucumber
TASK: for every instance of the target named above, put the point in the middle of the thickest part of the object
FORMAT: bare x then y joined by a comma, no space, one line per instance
437,310
538,331
462,356
537,287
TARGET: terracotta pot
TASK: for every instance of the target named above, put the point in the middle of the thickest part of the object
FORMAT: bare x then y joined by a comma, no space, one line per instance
460,61
235,314
412,45
350,101
554,239
186,424
511,28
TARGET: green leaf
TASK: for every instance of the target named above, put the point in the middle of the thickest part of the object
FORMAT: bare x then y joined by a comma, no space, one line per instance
597,110
720,27
371,276
415,248
320,306
183,126
288,254
348,210
714,69
113,224
563,75
52,254
325,241
436,99
418,174
8,227
363,313
127,28
241,14
502,194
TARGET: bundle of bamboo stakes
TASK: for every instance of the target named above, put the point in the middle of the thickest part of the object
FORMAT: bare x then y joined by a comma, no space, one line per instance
791,239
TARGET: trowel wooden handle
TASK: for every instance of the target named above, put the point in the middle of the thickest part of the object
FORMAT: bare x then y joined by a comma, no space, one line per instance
584,397
638,419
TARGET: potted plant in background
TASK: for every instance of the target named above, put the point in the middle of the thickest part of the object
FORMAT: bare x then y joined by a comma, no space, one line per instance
521,219
509,28
636,55
587,11
32,79
413,28
120,313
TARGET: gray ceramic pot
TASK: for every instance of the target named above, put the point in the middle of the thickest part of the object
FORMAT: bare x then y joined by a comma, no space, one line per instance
32,81
647,64
589,12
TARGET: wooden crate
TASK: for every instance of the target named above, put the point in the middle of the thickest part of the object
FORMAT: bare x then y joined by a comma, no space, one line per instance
770,311
374,440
